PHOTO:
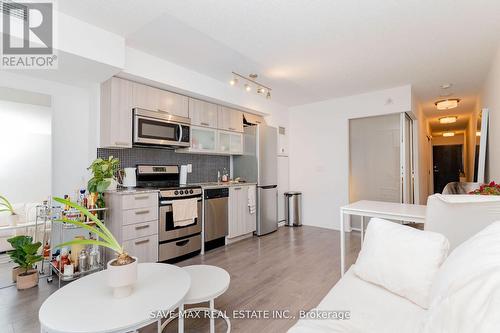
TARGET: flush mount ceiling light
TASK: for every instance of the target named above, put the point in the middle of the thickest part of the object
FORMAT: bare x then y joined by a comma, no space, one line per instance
448,120
446,85
250,83
447,104
449,134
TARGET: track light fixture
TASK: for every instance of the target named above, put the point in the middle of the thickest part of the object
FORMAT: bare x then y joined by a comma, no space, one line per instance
249,83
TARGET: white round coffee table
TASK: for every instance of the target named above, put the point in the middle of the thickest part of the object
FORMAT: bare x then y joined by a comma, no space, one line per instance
87,304
207,283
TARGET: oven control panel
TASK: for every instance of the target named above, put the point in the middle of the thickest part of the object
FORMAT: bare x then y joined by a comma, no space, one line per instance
181,192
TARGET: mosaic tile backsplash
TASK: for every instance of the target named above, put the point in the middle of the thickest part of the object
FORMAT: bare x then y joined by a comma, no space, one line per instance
205,167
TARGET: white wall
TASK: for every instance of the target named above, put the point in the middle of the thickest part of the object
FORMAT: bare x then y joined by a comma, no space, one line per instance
26,145
319,149
74,130
491,99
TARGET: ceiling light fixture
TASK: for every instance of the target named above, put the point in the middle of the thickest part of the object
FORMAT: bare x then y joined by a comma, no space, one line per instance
447,104
478,133
449,134
448,120
250,83
446,85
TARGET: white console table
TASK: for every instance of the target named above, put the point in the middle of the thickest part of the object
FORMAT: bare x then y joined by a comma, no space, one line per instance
380,209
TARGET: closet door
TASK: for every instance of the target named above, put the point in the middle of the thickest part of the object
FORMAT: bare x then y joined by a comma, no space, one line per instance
375,160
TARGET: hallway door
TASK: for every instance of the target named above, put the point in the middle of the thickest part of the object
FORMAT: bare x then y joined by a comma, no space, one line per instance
447,165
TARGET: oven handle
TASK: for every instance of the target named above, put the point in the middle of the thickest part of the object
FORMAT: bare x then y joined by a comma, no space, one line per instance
163,203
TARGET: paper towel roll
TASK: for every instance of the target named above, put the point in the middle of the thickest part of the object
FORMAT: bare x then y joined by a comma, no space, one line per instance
183,175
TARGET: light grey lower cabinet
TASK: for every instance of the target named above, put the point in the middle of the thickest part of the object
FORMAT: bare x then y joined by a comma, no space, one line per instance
133,220
241,220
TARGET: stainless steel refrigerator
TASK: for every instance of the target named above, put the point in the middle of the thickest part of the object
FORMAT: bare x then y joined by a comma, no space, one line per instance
259,163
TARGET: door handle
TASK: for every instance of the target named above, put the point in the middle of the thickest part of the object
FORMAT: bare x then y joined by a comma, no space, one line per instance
182,243
267,187
142,242
142,212
180,132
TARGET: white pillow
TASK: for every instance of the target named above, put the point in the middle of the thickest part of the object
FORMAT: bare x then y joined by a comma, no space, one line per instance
401,259
475,256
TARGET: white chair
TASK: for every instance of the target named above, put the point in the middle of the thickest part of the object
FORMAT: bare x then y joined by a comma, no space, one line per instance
207,283
460,216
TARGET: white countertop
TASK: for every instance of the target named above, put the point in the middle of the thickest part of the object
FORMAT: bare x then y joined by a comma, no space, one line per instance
132,190
221,184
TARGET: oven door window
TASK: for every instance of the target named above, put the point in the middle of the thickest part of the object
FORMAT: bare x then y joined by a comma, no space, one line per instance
169,219
152,129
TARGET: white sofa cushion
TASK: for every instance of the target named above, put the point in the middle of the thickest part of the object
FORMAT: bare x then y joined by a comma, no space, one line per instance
466,291
372,309
401,259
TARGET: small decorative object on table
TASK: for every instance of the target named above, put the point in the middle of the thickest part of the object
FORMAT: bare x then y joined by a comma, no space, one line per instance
25,254
121,271
487,189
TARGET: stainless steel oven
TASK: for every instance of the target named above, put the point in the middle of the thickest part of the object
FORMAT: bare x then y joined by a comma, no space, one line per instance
161,129
178,241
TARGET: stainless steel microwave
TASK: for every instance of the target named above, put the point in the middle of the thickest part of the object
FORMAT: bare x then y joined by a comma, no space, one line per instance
160,129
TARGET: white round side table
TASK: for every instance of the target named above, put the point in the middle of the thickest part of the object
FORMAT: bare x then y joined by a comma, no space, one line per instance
207,283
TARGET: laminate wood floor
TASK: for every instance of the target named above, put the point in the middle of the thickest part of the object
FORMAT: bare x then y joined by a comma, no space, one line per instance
291,269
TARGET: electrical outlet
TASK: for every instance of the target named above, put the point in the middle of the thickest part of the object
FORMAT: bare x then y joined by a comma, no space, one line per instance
189,168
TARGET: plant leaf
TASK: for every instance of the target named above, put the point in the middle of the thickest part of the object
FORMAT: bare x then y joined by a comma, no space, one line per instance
91,242
92,217
86,226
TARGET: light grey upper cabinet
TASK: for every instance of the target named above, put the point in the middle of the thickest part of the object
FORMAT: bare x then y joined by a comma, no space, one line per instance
203,113
145,97
230,119
173,103
154,99
116,114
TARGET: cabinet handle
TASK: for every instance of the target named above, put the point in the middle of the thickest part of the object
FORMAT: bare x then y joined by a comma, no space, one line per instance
237,188
142,197
141,212
121,143
232,129
140,227
142,242
182,243
163,111
205,124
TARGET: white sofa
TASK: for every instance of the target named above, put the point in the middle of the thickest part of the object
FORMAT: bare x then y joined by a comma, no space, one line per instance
376,309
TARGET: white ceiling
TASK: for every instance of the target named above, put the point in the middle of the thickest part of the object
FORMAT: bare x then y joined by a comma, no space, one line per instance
311,50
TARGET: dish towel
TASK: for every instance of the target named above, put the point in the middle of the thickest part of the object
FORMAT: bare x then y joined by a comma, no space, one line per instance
251,201
184,211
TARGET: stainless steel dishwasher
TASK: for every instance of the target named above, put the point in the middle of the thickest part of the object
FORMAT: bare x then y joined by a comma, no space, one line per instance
216,217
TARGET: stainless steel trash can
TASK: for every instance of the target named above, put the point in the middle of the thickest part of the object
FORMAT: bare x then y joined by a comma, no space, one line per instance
293,209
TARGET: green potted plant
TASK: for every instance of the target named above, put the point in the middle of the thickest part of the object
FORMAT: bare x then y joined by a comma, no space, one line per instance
103,177
6,206
25,254
122,270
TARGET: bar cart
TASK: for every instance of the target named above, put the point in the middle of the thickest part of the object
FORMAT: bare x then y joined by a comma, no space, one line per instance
61,259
